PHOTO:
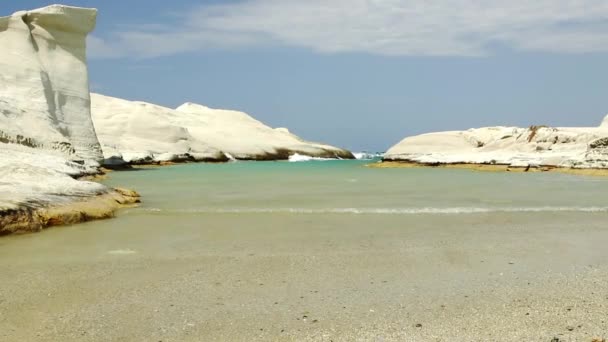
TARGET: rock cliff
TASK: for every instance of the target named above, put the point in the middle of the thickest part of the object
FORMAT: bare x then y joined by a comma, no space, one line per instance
140,132
44,86
565,147
47,136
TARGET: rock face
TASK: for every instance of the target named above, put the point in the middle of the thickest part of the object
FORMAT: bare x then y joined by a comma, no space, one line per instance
605,122
46,132
44,87
244,137
141,132
567,147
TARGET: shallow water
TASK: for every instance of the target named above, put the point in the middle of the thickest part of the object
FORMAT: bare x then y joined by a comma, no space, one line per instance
317,251
348,187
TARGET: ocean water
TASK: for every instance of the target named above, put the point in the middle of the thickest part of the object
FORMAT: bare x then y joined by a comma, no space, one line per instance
350,188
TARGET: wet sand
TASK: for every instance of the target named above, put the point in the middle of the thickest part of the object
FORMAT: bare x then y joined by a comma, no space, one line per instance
255,277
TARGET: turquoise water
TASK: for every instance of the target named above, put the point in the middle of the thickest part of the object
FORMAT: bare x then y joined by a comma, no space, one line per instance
350,188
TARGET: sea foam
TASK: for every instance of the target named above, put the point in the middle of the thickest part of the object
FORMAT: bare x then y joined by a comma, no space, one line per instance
377,211
302,158
367,155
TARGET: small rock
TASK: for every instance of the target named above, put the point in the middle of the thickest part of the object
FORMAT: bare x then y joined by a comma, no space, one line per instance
418,325
569,328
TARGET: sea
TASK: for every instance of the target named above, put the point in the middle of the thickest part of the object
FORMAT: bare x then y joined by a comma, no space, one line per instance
351,188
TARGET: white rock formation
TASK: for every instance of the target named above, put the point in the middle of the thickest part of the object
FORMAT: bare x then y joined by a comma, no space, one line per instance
605,122
46,132
44,89
142,132
139,132
31,179
570,147
244,137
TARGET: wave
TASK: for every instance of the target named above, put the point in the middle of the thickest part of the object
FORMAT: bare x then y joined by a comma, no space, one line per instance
358,155
367,155
302,158
376,211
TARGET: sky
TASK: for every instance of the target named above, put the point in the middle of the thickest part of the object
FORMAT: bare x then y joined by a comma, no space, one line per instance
360,74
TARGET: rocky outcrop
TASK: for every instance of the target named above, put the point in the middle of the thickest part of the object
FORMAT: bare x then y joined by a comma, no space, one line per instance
143,133
536,146
605,122
244,137
34,218
47,138
140,132
44,86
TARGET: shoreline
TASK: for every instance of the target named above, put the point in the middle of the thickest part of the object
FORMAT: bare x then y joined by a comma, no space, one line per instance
25,220
31,220
393,164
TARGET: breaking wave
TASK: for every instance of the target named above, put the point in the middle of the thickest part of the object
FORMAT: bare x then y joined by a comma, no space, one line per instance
367,155
358,155
301,158
376,211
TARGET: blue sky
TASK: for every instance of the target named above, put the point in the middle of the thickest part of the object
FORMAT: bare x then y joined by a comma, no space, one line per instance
361,74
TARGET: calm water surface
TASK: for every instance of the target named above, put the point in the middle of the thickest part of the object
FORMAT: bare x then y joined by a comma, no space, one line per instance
350,188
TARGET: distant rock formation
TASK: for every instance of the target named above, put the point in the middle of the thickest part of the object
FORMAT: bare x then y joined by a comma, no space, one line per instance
536,146
141,132
605,122
44,86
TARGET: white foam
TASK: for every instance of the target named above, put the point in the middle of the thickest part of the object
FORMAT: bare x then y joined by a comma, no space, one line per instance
229,156
367,155
303,158
378,211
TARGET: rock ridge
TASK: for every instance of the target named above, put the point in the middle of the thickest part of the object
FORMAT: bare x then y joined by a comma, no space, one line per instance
532,147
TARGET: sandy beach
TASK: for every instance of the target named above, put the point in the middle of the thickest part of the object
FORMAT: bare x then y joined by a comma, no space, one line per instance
253,278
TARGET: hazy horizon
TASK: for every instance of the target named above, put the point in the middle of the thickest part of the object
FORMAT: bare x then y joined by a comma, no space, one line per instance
359,74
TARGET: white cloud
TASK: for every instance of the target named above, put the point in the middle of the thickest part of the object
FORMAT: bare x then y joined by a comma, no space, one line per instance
385,27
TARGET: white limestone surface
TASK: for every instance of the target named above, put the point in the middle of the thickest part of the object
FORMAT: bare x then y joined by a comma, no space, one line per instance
244,137
44,87
570,147
31,179
141,132
46,132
